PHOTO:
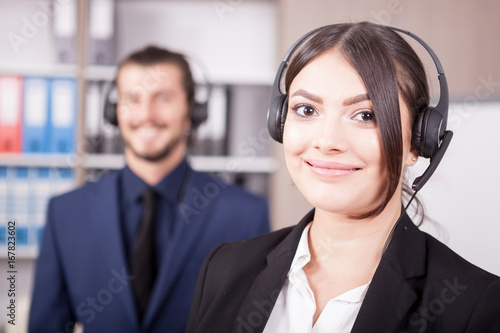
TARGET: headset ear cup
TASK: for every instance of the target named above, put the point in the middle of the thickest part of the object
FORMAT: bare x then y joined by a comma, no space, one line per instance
110,113
283,114
274,117
428,132
417,132
111,104
199,114
434,132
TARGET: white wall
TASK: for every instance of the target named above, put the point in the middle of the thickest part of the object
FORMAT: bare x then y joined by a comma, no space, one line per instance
463,196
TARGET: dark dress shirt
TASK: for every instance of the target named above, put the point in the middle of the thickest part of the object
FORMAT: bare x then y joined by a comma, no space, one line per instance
168,192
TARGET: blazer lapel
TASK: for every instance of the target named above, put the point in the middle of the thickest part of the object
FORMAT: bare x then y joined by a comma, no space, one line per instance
387,301
106,221
266,288
390,297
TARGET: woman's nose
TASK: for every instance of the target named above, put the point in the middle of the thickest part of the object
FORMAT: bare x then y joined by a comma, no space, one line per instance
330,136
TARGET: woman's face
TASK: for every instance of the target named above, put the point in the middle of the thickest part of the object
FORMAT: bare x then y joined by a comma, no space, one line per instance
331,138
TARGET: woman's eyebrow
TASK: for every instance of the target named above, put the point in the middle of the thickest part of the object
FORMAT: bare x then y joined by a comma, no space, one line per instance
356,99
308,95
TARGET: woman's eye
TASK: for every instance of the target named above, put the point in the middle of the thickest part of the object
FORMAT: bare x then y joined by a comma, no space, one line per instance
304,110
365,116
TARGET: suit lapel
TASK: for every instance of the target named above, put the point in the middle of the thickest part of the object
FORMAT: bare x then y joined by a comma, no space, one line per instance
390,297
265,290
106,221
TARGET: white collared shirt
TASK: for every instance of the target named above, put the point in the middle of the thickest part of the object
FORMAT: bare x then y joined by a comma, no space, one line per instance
295,306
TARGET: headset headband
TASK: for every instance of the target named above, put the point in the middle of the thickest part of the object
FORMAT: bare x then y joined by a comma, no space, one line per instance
443,103
431,138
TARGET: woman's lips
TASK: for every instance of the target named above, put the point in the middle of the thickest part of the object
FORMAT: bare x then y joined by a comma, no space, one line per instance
331,169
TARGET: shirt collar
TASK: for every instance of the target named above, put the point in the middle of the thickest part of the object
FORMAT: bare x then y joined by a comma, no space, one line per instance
303,254
171,185
132,186
168,188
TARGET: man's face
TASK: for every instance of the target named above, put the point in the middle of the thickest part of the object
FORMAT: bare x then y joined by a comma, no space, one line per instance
153,111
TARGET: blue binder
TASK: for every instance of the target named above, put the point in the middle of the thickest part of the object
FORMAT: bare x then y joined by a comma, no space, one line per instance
41,191
36,100
63,107
3,206
19,210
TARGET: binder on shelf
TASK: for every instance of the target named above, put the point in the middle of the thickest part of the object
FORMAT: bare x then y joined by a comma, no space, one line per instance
18,210
41,190
63,106
64,30
36,135
101,45
3,206
24,196
10,113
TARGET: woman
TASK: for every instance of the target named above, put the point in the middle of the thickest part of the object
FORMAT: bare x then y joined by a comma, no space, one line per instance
354,92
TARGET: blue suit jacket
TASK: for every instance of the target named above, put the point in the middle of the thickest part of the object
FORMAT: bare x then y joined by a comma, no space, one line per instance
82,274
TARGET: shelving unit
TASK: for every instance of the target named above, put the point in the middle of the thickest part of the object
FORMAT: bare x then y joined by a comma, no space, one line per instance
222,47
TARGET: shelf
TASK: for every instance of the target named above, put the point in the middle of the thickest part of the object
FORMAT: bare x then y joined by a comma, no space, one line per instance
231,164
21,253
104,161
99,73
38,160
200,163
46,70
108,73
234,164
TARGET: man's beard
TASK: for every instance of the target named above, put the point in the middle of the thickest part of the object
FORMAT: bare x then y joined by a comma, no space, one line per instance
160,155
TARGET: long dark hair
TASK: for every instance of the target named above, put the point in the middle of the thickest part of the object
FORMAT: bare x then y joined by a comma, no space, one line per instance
387,65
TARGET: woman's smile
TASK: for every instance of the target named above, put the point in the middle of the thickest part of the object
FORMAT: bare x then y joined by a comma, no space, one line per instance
331,169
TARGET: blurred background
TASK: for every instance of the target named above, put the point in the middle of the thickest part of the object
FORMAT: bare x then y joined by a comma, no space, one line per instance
58,56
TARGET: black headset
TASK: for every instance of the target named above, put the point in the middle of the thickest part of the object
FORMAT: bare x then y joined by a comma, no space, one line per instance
430,137
198,114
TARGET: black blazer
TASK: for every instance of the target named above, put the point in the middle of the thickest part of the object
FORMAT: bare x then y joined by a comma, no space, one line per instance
420,285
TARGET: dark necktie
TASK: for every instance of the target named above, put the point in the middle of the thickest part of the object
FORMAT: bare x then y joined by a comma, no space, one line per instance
143,265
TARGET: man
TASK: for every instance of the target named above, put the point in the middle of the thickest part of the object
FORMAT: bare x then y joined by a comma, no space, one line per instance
123,254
